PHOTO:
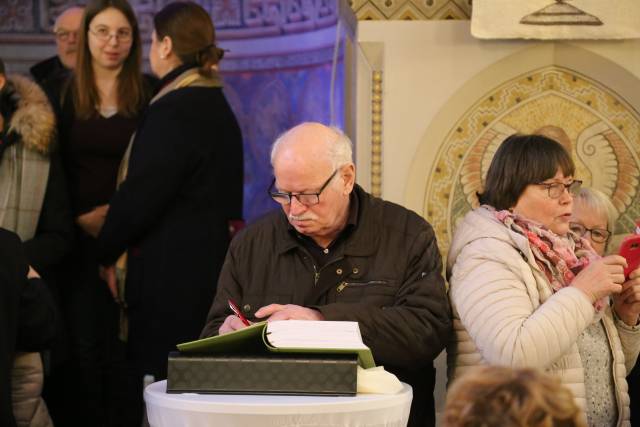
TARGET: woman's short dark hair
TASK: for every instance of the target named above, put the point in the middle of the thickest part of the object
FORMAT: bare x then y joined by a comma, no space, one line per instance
1,66
522,160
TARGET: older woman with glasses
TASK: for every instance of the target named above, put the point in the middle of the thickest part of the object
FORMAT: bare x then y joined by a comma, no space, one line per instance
527,292
594,217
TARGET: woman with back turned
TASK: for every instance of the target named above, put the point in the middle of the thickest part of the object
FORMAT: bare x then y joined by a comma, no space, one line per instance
183,186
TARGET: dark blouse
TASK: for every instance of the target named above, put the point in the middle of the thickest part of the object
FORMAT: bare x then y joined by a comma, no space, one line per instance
91,149
92,154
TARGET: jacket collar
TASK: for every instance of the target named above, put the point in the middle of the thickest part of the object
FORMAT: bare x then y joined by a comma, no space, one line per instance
361,242
184,76
33,118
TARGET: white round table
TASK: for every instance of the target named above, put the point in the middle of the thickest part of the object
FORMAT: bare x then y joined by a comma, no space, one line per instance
235,410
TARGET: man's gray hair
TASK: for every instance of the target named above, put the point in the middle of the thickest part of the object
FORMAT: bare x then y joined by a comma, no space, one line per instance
340,147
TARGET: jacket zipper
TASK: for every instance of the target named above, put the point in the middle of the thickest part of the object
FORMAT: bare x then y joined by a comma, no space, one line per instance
343,285
316,272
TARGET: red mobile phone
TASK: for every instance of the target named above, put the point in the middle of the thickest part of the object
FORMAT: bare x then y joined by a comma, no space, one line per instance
630,249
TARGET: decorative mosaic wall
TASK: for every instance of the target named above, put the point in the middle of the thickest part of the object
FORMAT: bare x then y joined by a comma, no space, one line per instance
596,125
268,93
244,18
411,10
233,18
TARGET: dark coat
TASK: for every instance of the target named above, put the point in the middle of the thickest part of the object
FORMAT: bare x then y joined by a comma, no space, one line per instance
183,186
47,69
387,276
27,315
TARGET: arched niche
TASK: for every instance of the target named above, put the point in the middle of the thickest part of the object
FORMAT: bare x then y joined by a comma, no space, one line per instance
586,101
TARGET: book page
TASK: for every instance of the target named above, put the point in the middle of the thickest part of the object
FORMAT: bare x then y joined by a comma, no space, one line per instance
319,334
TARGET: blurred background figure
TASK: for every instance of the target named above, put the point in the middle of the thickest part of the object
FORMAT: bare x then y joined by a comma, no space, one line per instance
495,396
33,194
594,217
27,324
99,107
182,190
66,32
33,204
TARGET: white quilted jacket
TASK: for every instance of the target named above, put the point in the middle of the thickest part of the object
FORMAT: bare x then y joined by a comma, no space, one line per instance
505,313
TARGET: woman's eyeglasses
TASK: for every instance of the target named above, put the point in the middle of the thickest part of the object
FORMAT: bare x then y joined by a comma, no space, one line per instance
598,235
103,34
556,189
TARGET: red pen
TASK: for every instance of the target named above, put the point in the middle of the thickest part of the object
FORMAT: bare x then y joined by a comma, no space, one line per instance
237,312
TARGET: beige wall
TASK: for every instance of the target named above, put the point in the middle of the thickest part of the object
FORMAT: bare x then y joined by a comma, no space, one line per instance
434,72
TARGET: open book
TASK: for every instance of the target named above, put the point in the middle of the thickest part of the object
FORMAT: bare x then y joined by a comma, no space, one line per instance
289,336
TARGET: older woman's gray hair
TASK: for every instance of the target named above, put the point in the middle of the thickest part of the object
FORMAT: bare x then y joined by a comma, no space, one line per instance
597,202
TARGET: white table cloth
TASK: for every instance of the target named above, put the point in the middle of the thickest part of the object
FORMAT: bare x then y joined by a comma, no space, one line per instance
201,410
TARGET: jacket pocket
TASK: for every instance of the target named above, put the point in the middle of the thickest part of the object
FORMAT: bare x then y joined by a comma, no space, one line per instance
379,292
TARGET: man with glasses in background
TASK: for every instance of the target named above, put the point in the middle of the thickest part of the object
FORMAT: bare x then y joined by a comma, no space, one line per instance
66,33
334,252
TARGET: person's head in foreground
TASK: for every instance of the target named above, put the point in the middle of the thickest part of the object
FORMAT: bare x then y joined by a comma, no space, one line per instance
494,396
532,176
314,176
593,218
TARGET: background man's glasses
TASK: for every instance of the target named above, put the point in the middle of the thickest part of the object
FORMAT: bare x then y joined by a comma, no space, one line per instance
103,34
64,35
557,188
307,199
598,235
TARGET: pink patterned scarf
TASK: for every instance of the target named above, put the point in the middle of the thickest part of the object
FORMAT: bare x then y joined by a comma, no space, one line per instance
560,258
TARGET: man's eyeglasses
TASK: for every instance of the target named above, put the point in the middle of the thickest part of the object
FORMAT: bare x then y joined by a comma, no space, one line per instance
557,188
103,34
307,199
598,235
64,35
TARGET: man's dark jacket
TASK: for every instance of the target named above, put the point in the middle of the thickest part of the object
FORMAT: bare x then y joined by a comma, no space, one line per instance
386,276
27,315
47,69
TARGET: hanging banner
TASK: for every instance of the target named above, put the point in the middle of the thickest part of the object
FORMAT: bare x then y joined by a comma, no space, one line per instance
555,19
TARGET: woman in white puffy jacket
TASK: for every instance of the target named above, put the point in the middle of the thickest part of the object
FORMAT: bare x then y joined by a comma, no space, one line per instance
527,292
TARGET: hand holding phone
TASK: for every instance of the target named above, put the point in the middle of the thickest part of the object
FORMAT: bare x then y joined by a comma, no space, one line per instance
630,250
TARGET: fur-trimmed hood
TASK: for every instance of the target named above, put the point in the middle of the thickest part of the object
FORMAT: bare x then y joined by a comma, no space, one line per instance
33,119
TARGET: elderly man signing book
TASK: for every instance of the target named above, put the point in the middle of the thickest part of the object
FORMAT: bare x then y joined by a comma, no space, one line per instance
334,252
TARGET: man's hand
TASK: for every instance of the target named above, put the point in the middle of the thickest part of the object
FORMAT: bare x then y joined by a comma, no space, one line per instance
231,323
627,303
92,221
288,312
108,274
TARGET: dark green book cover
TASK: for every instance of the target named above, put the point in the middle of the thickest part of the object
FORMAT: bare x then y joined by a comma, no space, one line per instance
256,338
263,373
